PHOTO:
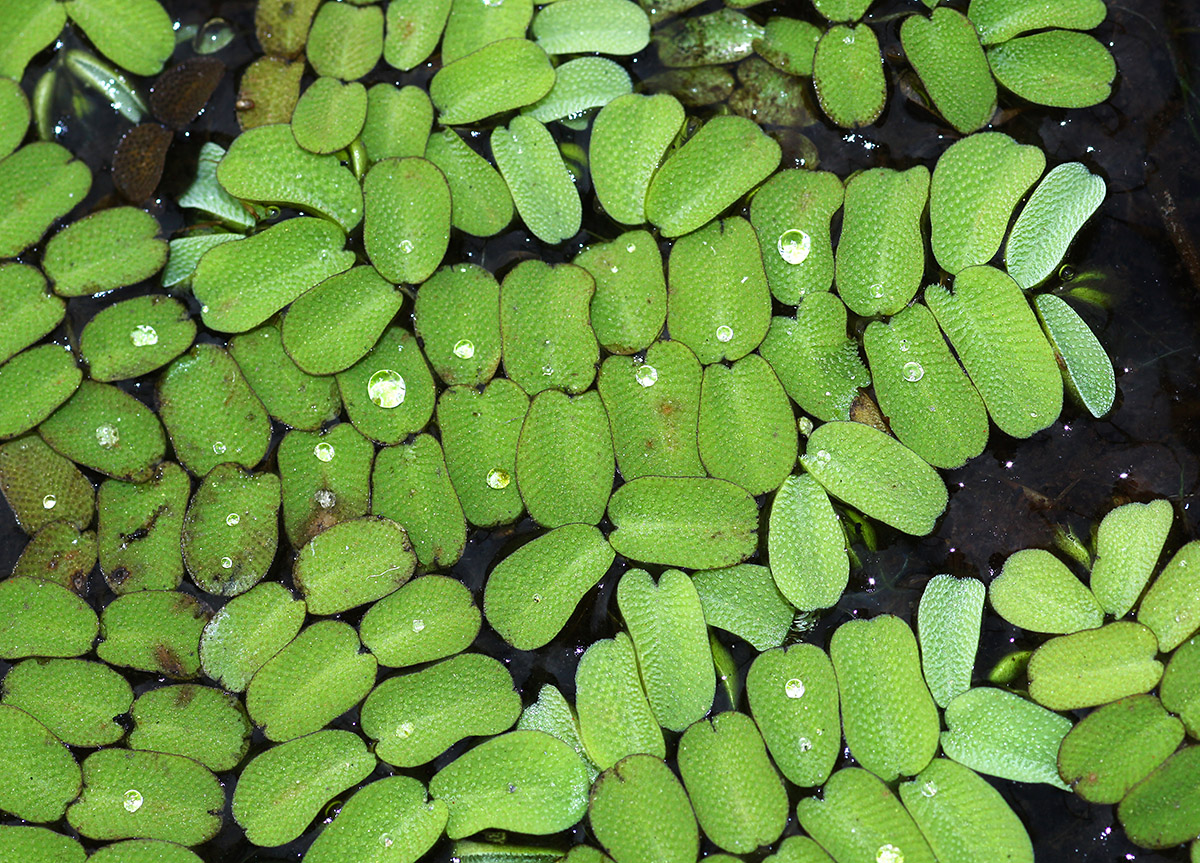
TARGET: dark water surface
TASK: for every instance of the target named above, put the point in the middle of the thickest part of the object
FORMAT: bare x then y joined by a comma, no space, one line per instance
1140,249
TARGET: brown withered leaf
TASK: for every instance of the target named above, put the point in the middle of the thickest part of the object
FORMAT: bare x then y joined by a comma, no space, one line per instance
138,162
181,92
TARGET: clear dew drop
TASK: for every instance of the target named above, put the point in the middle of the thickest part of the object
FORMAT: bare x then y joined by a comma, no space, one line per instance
49,501
794,688
929,789
724,333
404,730
227,563
143,335
794,245
903,346
219,448
804,743
405,246
324,498
418,624
493,3
324,451
133,800
647,376
107,435
805,426
889,853
877,291
547,370
464,349
386,388
386,841
497,478
631,248
913,371
823,457
232,519
614,270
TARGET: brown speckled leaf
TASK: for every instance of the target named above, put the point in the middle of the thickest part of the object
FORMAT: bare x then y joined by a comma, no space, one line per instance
139,159
181,92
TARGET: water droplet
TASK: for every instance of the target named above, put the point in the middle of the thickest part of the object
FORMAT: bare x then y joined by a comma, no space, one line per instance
724,333
227,563
805,426
107,435
385,840
889,853
537,597
823,457
493,2
877,291
324,498
794,688
903,345
143,335
404,730
386,388
324,451
418,624
794,245
213,36
929,789
497,478
464,349
219,448
805,744
631,248
547,370
133,800
405,246
49,501
232,519
913,371
647,376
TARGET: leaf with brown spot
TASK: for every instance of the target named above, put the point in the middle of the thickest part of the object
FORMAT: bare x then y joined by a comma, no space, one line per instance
138,161
269,91
181,92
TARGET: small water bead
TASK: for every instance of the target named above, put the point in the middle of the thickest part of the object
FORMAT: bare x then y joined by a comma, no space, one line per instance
794,245
143,335
794,688
877,291
903,346
324,498
493,3
631,248
418,624
537,597
386,388
107,435
889,853
324,451
49,501
219,448
724,333
547,370
929,789
805,744
405,246
823,456
913,371
232,519
805,426
133,800
404,730
227,563
464,349
647,376
385,840
497,478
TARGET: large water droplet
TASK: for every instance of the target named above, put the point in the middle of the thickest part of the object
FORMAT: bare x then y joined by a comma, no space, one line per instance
647,376
386,388
794,245
913,371
405,246
107,435
324,451
724,333
497,478
133,800
464,349
232,519
889,853
794,688
227,563
219,448
143,335
49,501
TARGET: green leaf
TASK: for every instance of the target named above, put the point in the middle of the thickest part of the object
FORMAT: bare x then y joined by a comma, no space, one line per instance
145,851
398,121
410,485
59,553
848,76
1128,544
154,630
976,185
630,137
1094,666
798,849
544,328
38,845
39,184
230,531
744,600
945,51
717,166
140,530
738,797
963,817
472,25
542,188
525,781
147,795
353,563
1002,348
1180,687
1087,370
329,115
500,76
28,309
581,85
859,818
389,393
457,316
1059,68
33,384
199,722
532,593
694,522
209,196
1000,20
285,786
407,226
789,44
41,486
806,545
414,28
881,252
282,26
416,717
107,430
481,203
842,10
270,86
640,813
428,618
724,36
949,619
288,393
185,253
615,719
75,699
1036,591
30,26
552,714
346,41
1171,608
791,215
999,733
1164,809
38,774
1063,201
248,631
210,411
135,34
136,336
630,304
266,164
390,818
586,26
14,115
